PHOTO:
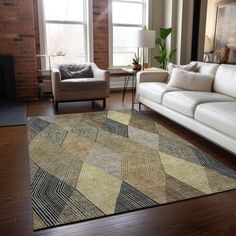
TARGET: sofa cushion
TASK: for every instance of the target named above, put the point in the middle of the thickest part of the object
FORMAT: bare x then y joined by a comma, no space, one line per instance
154,91
82,84
225,81
186,102
220,116
190,80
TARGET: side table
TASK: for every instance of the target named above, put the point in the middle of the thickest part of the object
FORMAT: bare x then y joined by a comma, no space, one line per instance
130,73
127,73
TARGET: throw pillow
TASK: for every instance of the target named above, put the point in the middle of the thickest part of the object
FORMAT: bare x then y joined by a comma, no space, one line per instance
192,81
65,73
84,73
192,66
68,74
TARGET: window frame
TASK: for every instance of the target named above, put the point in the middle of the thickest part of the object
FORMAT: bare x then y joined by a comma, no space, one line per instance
87,28
145,21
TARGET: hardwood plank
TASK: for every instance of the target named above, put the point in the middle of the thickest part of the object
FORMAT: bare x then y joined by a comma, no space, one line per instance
200,216
211,215
15,198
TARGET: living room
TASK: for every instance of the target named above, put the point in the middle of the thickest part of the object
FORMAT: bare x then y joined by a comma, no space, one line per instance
142,161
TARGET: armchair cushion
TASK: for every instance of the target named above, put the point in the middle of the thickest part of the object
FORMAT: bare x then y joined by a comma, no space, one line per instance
75,71
81,84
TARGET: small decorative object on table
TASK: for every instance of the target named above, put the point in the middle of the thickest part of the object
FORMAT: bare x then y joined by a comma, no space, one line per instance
136,65
223,55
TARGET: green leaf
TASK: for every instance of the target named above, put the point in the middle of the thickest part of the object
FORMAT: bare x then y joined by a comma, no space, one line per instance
172,53
163,58
164,32
135,59
158,41
158,58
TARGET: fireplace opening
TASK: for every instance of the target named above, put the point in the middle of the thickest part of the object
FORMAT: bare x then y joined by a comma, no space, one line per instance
2,85
7,78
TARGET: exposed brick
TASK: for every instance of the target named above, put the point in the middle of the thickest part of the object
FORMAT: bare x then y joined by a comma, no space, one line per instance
100,21
37,37
17,38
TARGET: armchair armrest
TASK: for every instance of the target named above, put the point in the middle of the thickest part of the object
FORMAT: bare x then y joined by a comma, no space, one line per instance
101,74
56,79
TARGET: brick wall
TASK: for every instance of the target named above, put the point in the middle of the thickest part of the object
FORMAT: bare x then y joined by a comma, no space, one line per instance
36,29
101,36
17,38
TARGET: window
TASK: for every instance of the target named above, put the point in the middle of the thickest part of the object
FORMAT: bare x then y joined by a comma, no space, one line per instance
64,30
127,16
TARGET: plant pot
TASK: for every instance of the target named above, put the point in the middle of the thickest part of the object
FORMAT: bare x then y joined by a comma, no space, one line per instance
137,67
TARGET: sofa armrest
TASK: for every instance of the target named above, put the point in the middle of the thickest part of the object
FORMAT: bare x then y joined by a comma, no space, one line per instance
152,76
157,75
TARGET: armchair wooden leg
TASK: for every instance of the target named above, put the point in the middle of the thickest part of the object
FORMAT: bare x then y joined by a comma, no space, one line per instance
104,103
56,106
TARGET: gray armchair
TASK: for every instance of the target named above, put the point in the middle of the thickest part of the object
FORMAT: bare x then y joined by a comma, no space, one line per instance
72,82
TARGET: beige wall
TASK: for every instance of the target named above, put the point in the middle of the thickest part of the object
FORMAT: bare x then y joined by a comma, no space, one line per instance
211,15
211,20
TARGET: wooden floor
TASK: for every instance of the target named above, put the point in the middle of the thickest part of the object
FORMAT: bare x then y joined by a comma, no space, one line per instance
211,215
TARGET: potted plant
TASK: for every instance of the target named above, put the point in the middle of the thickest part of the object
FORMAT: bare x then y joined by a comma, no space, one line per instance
164,57
136,64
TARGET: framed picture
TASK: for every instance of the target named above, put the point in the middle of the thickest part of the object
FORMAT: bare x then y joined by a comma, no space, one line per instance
225,33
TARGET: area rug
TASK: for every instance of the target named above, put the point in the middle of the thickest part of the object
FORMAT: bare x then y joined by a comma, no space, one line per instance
12,113
89,165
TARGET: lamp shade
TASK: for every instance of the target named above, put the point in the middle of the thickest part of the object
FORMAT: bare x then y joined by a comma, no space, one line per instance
146,38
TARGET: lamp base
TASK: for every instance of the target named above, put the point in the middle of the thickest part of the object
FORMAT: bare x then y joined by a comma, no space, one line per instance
145,65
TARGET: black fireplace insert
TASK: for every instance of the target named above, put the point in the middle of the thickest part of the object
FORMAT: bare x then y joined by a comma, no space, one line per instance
7,78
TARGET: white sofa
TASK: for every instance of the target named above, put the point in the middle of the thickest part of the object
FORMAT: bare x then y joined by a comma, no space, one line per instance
209,114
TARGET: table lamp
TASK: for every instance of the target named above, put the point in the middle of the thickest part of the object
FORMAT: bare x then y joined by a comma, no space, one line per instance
145,39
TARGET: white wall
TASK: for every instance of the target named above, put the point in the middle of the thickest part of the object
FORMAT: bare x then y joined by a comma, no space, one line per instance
178,14
202,28
186,31
157,21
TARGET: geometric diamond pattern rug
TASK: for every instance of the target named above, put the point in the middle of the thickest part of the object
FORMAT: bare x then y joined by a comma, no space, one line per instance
89,165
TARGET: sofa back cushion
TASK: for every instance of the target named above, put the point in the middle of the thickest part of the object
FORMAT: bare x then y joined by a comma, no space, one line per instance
192,81
207,68
225,80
